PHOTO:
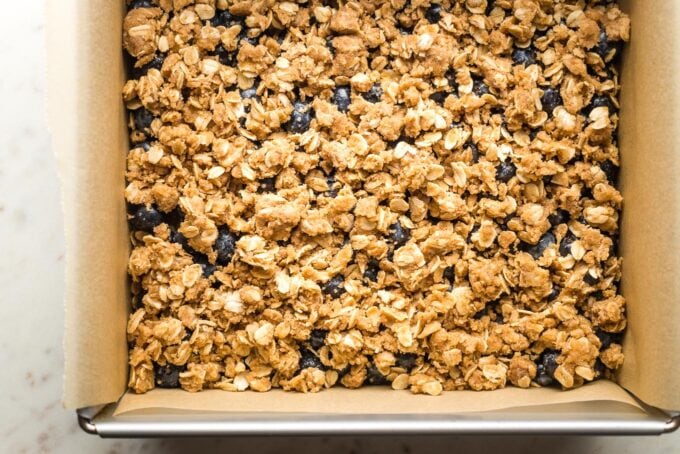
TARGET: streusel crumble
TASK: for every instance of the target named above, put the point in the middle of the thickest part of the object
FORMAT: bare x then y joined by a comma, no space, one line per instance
419,194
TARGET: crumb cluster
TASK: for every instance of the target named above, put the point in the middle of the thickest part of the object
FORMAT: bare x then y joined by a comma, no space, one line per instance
419,194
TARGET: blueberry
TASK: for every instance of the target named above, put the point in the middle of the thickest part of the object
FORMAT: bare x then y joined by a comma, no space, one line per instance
545,369
606,339
309,360
244,37
549,361
143,145
278,35
439,97
341,97
586,193
599,367
560,216
565,244
317,338
267,185
614,248
137,301
611,170
344,371
143,119
174,218
177,237
505,171
539,248
372,269
249,93
374,94
399,235
598,101
556,290
374,377
602,101
224,18
590,279
225,56
155,63
450,273
145,219
433,13
404,30
167,376
551,99
526,57
207,267
451,78
330,181
141,4
334,287
406,360
474,152
479,88
225,245
604,47
542,378
300,118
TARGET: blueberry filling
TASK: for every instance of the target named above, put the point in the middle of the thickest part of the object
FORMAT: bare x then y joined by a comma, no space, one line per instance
309,360
558,217
342,98
479,87
505,171
143,119
399,235
550,100
140,4
537,250
406,360
145,218
300,119
374,94
525,57
374,377
545,369
372,269
335,286
267,185
433,13
167,376
317,338
565,244
224,246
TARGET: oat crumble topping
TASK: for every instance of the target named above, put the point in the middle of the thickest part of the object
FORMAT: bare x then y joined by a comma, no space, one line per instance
420,194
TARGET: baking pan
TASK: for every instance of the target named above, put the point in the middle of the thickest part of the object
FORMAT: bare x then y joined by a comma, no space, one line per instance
87,120
586,418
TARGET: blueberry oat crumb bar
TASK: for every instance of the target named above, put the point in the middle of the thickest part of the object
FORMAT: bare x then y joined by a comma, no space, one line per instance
420,194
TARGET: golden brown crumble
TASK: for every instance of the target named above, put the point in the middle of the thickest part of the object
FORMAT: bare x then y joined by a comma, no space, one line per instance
410,193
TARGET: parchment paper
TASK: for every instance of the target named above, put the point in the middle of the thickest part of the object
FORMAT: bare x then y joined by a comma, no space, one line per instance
89,136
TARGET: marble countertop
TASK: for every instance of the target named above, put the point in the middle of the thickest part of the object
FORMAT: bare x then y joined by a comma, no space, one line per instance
31,240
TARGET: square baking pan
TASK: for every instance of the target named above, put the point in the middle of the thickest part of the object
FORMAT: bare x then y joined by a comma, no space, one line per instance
88,124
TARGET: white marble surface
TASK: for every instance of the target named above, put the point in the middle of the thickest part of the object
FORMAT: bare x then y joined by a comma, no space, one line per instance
32,251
